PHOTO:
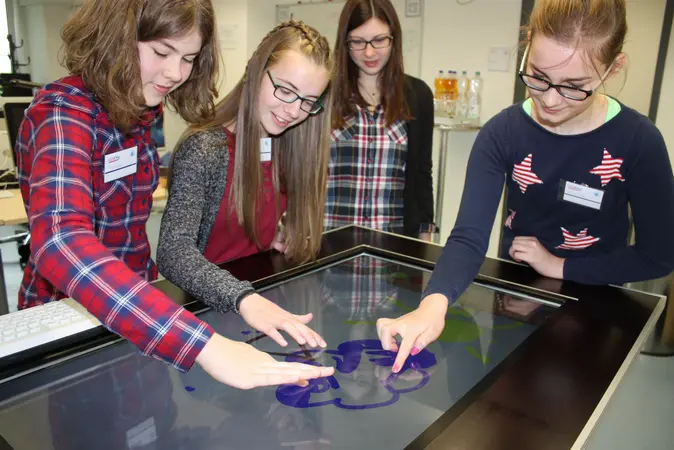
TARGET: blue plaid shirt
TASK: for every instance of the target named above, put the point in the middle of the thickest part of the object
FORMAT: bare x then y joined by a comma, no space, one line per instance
367,173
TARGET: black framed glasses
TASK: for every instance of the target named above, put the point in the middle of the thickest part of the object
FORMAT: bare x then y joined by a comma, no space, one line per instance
378,42
287,95
542,85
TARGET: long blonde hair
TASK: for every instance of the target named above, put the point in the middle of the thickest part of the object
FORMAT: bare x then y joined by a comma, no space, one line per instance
300,154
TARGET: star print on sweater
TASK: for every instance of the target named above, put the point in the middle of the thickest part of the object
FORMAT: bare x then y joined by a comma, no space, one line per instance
578,241
524,176
608,169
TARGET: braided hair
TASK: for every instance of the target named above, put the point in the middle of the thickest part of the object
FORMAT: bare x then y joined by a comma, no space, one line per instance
300,154
311,42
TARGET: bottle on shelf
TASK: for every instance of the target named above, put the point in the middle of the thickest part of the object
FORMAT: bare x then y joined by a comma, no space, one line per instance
461,101
451,93
439,93
474,98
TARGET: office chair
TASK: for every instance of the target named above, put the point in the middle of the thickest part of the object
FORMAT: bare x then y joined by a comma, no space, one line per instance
14,113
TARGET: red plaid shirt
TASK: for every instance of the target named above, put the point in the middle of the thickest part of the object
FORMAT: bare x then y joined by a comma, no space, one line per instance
88,237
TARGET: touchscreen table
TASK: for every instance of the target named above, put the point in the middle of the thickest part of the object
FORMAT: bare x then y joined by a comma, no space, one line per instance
115,398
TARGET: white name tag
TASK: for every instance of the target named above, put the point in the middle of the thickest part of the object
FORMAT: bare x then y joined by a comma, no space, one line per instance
581,194
265,149
120,164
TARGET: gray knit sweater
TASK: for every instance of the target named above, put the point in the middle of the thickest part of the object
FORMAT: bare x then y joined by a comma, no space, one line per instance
198,184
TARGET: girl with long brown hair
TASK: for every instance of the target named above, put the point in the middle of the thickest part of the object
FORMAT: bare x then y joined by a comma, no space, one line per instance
576,162
380,155
88,167
380,171
232,178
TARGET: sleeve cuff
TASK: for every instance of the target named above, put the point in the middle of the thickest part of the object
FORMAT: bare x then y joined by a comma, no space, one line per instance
183,342
240,298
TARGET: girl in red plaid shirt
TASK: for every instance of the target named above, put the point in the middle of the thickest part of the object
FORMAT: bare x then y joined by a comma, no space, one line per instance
88,167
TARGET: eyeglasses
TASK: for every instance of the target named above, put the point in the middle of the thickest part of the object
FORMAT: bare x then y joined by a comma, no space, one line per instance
542,85
378,42
287,95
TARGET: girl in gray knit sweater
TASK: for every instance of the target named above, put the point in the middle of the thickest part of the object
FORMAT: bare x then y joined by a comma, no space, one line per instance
263,156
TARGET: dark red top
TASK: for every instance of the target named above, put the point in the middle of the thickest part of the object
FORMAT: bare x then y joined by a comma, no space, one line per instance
228,239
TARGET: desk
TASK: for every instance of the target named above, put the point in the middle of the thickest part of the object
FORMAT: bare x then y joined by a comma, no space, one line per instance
12,211
501,376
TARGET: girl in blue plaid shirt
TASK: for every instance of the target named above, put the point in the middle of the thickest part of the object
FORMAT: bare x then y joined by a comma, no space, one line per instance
380,173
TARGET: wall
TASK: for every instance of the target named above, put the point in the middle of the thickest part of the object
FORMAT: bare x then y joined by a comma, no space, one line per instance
665,117
40,27
644,22
459,37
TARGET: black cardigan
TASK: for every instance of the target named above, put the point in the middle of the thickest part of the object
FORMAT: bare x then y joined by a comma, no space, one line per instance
418,192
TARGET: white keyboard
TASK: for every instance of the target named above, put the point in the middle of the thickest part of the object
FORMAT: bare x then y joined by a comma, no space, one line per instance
39,325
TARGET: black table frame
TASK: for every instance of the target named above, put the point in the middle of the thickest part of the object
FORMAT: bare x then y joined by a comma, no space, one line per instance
547,394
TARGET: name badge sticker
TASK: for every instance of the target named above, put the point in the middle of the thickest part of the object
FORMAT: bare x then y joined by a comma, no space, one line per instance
120,164
581,194
265,149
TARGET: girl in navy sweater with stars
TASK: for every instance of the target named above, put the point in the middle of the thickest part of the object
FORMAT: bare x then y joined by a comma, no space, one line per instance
574,160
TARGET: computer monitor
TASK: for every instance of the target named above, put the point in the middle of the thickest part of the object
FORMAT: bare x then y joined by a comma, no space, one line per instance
14,113
10,89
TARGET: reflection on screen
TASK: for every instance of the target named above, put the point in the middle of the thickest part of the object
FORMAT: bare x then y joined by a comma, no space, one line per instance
115,398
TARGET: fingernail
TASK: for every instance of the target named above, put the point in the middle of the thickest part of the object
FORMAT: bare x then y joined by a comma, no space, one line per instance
304,383
396,368
415,351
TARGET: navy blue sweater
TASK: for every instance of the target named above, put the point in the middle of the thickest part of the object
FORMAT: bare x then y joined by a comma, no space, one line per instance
626,158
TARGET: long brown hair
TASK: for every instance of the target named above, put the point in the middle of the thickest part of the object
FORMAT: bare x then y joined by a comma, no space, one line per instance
598,27
345,94
300,154
100,43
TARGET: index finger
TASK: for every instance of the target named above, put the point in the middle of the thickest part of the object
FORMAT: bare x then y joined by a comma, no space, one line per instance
403,352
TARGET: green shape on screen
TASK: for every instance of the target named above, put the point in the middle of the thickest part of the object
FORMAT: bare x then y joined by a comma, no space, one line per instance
476,353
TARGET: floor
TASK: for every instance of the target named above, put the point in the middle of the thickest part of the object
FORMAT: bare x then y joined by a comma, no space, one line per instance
639,417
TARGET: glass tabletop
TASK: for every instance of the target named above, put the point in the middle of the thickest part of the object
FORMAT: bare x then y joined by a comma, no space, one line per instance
115,398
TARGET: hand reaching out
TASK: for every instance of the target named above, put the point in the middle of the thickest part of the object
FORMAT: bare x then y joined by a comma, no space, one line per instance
242,366
268,317
417,328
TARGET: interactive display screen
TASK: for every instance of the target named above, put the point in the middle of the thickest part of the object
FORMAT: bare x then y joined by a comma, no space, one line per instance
114,398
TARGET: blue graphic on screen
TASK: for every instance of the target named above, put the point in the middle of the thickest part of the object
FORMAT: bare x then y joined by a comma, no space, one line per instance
348,357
